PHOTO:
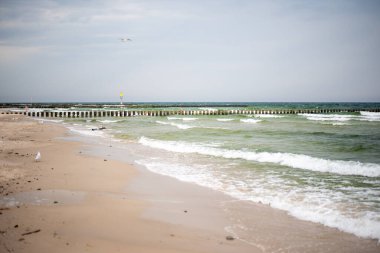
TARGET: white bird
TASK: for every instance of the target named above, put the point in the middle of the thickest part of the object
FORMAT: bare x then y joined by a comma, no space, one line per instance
125,39
38,157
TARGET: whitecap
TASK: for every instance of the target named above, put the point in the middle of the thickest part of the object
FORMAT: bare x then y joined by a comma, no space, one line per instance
251,120
180,126
109,121
184,119
314,206
51,120
196,174
327,117
364,116
370,116
208,109
268,116
297,161
224,120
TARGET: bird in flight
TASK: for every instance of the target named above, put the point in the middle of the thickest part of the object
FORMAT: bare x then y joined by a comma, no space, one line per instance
125,39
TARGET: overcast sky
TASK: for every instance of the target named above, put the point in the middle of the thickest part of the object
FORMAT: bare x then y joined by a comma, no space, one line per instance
190,50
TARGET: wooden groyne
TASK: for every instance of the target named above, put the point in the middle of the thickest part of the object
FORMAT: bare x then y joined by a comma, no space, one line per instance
158,113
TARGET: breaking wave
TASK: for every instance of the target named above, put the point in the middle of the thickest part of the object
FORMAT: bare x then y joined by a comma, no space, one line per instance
371,116
314,206
184,119
297,161
109,121
364,116
180,126
268,116
253,121
224,120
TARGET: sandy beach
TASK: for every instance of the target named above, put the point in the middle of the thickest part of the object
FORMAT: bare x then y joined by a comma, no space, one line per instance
71,201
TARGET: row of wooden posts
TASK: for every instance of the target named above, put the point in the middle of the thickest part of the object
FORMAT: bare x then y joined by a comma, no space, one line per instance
129,113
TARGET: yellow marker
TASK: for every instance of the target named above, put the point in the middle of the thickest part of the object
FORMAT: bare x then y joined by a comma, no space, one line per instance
121,97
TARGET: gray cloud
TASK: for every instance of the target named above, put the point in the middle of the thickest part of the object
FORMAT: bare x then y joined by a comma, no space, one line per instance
190,50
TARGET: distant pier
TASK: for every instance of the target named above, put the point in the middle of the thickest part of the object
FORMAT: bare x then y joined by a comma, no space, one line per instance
159,113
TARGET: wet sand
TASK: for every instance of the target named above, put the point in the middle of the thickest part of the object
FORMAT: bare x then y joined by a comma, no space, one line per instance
74,202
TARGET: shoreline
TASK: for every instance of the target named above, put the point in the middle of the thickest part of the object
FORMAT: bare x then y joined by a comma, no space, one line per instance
108,205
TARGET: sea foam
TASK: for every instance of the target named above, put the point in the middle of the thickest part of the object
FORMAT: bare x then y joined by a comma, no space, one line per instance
327,117
180,126
252,121
184,119
105,121
297,161
268,116
49,120
224,120
364,116
370,116
208,109
314,206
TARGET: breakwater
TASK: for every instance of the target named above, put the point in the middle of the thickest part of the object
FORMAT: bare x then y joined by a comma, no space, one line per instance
157,113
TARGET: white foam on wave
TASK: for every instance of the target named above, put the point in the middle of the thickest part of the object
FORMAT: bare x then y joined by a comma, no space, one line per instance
370,116
224,120
327,117
50,120
297,161
319,208
109,121
194,174
252,121
180,126
309,204
364,116
268,116
208,109
184,119
184,126
332,123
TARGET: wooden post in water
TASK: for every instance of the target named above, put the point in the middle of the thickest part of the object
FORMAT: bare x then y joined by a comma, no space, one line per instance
155,113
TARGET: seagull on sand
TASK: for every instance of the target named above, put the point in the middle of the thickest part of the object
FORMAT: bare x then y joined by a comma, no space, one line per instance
38,157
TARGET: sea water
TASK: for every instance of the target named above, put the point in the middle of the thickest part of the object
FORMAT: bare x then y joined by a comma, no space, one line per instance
323,168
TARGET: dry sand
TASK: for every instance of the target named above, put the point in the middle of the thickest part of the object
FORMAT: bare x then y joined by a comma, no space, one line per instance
72,202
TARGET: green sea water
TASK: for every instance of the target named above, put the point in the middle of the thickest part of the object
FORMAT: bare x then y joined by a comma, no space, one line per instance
323,168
